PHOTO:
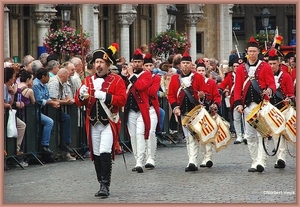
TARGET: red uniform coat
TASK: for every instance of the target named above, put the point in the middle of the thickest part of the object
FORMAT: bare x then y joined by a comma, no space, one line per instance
198,85
227,83
264,76
116,97
213,95
286,85
139,89
153,97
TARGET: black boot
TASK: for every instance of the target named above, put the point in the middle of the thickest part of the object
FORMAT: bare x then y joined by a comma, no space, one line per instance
106,164
97,163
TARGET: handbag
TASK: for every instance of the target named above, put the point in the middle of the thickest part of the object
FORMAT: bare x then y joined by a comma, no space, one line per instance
11,124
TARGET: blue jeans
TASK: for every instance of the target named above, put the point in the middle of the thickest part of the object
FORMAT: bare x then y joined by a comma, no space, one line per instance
47,123
161,119
65,128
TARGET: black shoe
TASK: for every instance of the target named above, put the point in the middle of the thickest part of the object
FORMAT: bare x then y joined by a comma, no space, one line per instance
133,169
46,149
149,166
103,192
245,141
237,142
280,164
260,168
252,169
66,148
139,169
209,164
191,167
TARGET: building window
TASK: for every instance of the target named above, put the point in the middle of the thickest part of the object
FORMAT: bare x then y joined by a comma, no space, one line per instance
199,42
238,26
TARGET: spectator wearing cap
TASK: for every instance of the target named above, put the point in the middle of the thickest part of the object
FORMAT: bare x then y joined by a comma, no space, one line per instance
103,95
185,92
136,111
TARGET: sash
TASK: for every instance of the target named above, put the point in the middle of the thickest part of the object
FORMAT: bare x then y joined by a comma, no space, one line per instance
278,92
186,90
113,117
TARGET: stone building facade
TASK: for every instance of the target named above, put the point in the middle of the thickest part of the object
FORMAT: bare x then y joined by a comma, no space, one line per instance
209,26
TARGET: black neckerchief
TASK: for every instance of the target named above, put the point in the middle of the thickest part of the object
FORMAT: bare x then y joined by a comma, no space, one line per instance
183,76
138,71
96,76
253,64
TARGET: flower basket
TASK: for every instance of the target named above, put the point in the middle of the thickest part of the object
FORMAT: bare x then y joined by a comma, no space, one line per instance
66,42
262,37
170,42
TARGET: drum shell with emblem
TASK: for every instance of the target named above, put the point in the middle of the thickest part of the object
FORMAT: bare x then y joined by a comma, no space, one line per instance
201,125
290,127
266,119
223,136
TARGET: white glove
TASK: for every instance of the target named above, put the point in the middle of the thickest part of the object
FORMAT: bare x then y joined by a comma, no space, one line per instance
100,95
83,90
98,83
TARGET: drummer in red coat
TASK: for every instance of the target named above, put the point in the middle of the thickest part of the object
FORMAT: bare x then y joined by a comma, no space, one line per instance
212,104
284,95
103,94
227,87
136,111
254,82
185,92
154,112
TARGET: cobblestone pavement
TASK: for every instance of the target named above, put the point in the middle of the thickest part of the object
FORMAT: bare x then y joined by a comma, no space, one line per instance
228,181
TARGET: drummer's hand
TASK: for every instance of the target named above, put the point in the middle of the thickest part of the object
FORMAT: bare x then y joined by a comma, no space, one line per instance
239,109
267,92
201,94
287,101
177,112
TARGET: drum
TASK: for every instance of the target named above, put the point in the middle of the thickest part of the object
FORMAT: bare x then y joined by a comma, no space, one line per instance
290,127
201,125
266,119
223,137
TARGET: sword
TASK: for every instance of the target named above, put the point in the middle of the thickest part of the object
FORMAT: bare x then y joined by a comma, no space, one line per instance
123,157
236,46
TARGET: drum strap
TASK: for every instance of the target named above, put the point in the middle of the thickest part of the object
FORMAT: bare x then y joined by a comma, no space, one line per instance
190,97
276,149
278,92
254,81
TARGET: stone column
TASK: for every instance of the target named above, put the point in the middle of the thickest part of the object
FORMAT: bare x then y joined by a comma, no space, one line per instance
225,25
90,23
192,15
161,18
44,14
127,15
6,45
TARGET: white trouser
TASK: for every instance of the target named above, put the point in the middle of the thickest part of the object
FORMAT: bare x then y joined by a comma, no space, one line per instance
254,141
192,145
237,122
102,139
207,151
136,128
282,148
151,141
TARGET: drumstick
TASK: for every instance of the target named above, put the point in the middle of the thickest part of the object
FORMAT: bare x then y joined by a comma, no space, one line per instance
197,91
